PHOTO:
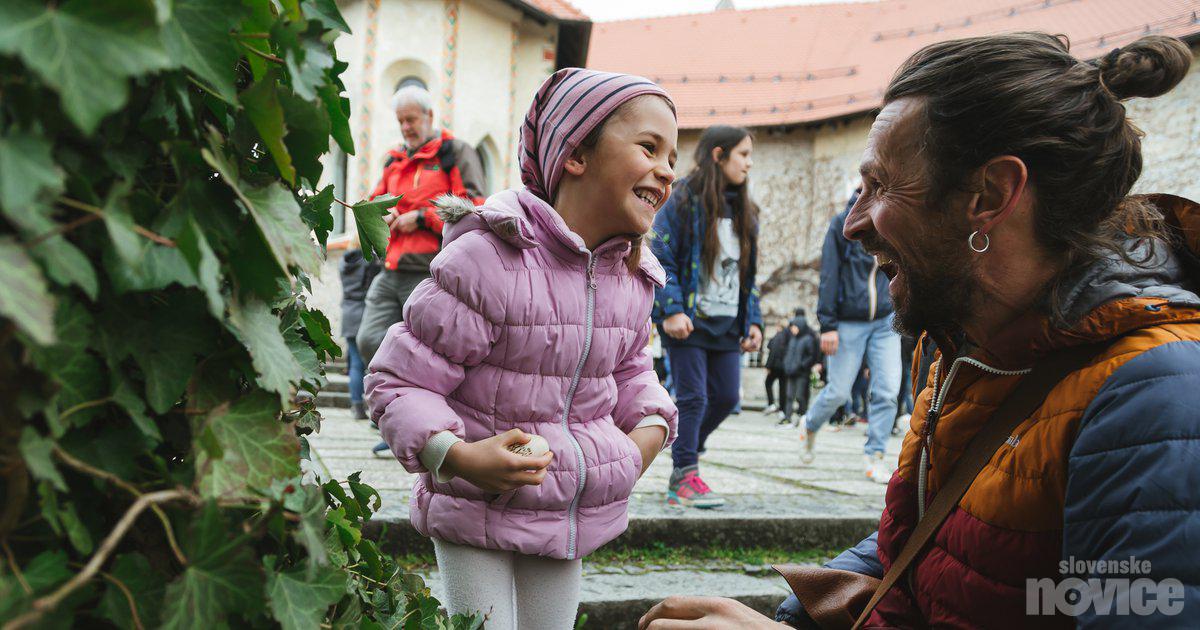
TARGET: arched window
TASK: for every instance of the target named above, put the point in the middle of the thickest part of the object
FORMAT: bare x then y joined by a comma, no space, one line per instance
410,80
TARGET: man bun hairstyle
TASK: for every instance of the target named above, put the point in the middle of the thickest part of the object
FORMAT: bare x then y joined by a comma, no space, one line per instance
1025,95
1149,67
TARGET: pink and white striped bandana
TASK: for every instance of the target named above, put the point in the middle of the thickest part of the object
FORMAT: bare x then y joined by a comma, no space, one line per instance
565,109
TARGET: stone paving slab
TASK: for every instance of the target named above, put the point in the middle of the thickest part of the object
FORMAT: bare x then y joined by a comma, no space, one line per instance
634,582
615,597
753,463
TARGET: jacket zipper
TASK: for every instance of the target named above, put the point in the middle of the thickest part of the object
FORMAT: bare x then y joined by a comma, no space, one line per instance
573,512
935,412
871,292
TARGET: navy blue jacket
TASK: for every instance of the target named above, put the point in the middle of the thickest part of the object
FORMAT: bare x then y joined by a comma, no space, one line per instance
676,239
852,287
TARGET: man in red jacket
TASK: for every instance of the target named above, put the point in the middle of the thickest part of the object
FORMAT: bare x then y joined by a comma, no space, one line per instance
430,164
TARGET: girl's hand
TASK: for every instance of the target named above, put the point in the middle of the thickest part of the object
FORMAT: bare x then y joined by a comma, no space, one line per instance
490,466
678,326
753,341
649,441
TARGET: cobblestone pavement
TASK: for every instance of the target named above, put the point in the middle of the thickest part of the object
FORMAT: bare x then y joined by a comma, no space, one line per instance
750,461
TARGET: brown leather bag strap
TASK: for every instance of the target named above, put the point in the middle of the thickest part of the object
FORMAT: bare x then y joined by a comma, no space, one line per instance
1029,394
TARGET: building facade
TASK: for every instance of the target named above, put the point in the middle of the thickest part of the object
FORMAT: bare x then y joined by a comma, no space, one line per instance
481,59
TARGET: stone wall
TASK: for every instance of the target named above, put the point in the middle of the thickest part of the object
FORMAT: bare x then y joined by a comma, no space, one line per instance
801,178
1171,148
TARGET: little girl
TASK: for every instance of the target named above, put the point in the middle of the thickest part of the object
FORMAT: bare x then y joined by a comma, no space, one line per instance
536,322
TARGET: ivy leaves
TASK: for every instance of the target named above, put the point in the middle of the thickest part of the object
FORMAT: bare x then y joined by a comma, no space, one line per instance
158,162
86,51
197,35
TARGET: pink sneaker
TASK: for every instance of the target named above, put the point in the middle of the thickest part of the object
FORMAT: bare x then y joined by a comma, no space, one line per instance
687,489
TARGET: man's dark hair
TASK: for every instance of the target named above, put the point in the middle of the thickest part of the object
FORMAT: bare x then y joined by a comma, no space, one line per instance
1025,95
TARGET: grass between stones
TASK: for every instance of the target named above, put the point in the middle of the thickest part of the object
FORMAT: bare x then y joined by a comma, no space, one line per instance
660,556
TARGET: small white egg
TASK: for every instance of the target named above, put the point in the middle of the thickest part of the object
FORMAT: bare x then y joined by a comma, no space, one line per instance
536,447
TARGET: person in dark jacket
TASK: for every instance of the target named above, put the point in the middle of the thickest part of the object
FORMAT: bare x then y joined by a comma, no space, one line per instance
706,238
802,353
1008,247
855,314
356,273
776,348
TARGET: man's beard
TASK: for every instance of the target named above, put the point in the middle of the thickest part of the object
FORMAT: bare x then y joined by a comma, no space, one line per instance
936,293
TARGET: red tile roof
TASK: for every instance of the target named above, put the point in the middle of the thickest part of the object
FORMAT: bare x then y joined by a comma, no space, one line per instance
560,9
798,64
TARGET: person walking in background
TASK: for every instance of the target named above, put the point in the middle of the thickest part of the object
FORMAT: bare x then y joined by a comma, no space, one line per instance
535,324
356,273
706,237
431,163
774,364
803,351
855,314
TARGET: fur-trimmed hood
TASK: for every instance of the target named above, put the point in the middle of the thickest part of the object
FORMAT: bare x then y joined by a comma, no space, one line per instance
526,221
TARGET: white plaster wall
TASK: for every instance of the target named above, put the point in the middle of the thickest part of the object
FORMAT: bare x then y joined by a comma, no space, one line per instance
410,40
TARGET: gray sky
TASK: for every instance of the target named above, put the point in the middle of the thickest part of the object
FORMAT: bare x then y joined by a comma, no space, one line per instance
607,10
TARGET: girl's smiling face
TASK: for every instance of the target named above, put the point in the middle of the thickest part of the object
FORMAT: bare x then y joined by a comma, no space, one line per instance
622,181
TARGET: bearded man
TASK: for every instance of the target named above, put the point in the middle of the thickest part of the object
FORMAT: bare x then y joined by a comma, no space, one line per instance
996,185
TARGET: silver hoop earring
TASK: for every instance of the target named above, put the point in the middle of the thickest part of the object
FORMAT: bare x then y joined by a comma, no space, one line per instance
987,242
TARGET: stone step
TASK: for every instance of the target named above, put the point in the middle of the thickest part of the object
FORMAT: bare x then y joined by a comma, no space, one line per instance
335,399
336,367
337,383
735,531
615,597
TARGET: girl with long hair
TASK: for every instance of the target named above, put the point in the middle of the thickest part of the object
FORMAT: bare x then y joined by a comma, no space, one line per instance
706,238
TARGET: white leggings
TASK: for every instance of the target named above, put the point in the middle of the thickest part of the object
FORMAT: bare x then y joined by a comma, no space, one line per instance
515,591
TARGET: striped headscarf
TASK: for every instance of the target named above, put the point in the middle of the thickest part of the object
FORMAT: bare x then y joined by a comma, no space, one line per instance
566,108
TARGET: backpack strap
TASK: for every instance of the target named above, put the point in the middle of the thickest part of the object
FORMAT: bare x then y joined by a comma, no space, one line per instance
447,157
1029,394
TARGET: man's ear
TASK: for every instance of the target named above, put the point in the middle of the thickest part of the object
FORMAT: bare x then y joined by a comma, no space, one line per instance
1003,180
576,163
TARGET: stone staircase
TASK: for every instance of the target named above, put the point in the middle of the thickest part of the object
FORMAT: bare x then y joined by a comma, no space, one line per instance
773,503
336,394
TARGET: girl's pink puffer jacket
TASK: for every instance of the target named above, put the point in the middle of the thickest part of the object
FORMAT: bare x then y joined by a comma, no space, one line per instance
521,327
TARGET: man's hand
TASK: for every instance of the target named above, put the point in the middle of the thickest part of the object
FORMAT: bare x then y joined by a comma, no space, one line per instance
753,341
829,343
704,613
407,222
492,467
818,367
678,326
649,441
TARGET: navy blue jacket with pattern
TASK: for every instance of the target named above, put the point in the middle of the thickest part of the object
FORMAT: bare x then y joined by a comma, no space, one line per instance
675,240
